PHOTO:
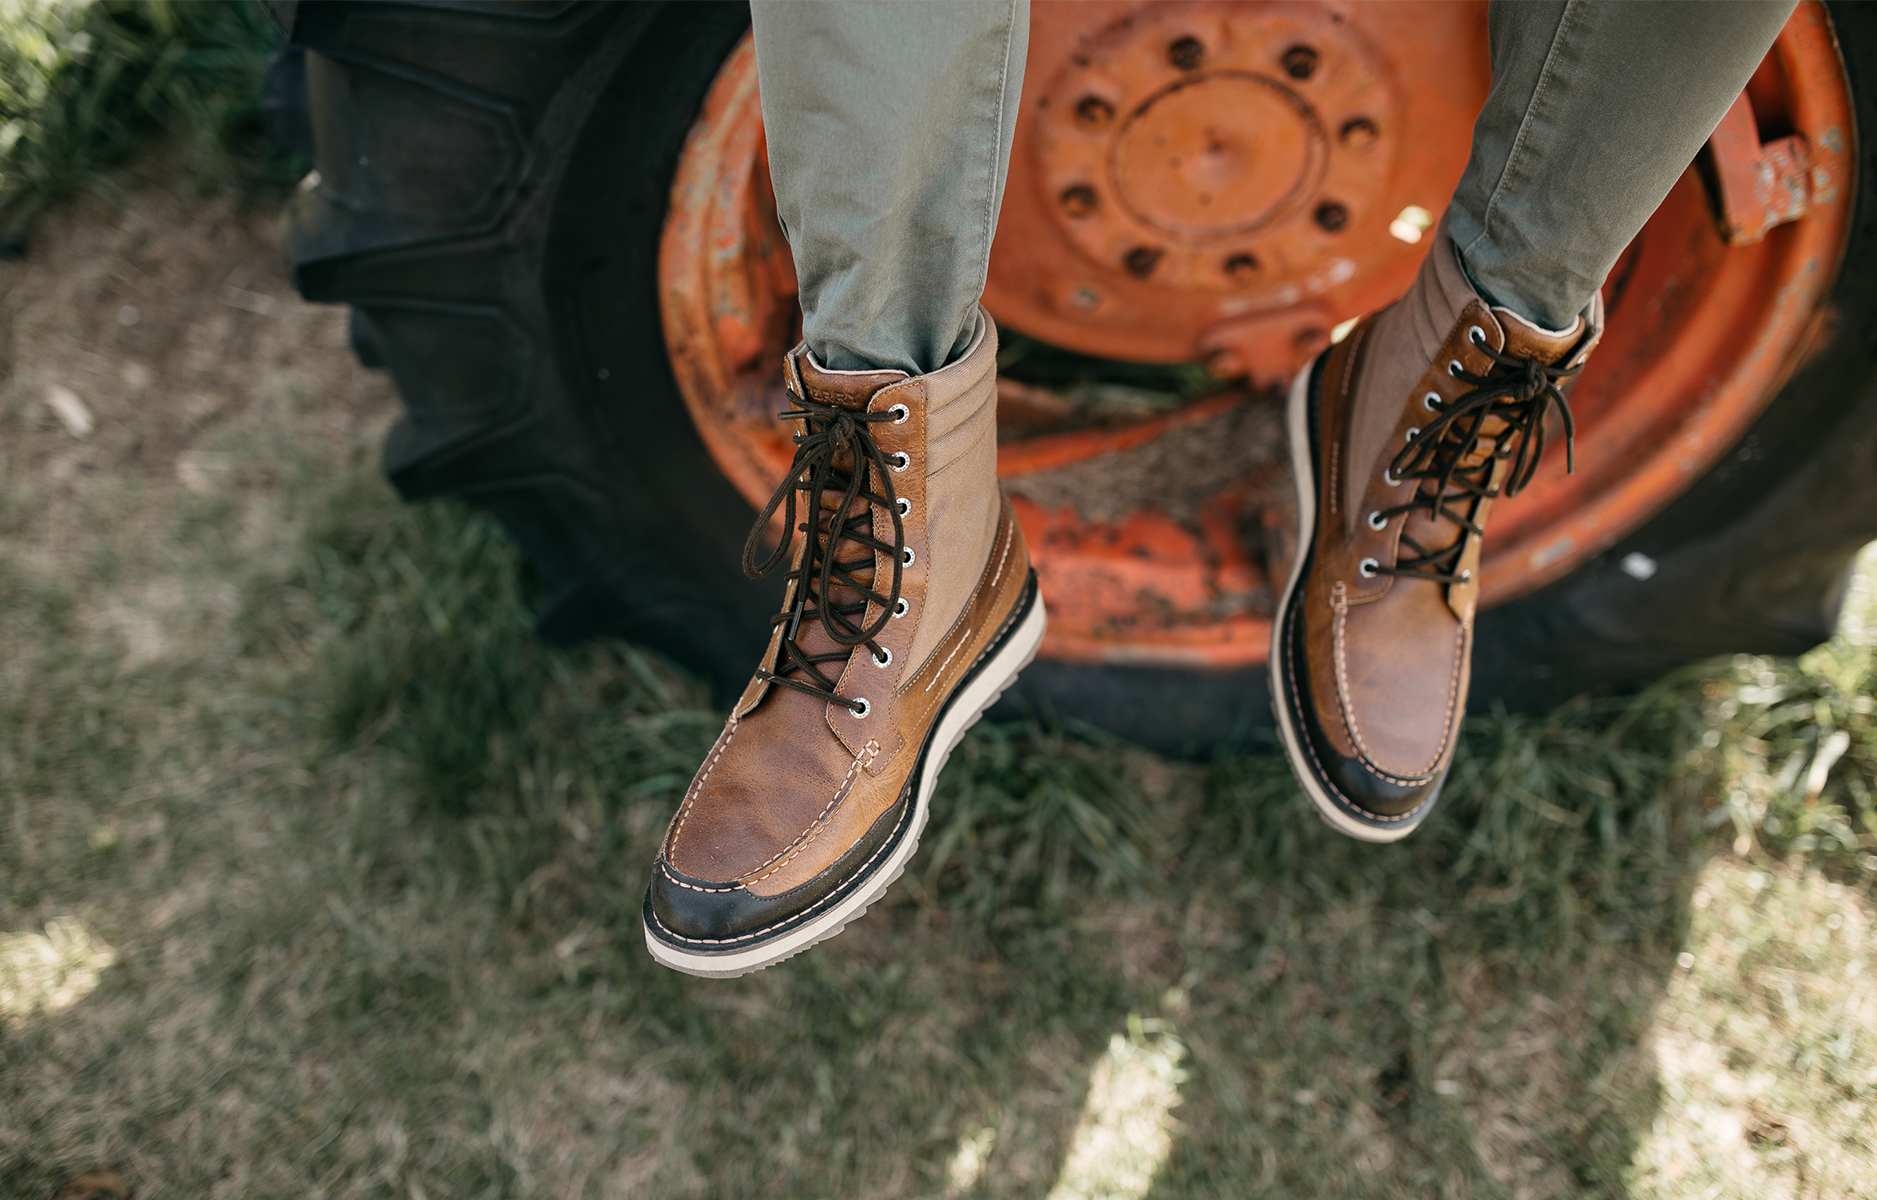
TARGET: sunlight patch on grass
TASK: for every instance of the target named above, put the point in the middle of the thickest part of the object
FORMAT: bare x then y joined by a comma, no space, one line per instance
967,1161
51,971
1126,1130
1795,740
1766,1044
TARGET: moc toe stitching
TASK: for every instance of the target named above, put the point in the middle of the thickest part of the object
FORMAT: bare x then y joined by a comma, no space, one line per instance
1310,731
1366,757
834,894
1347,705
781,857
697,785
669,874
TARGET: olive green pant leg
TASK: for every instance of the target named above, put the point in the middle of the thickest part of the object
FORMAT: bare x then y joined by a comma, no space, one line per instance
889,128
1597,107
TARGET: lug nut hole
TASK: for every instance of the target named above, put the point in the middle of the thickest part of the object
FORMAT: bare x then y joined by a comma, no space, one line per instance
1141,261
1092,112
1300,62
1186,53
1242,268
1359,133
1331,216
1079,201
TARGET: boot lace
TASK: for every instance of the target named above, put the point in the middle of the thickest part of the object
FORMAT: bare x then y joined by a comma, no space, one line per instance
834,453
1517,392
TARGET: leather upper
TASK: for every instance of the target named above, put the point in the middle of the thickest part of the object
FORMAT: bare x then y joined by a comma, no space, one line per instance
798,791
1382,661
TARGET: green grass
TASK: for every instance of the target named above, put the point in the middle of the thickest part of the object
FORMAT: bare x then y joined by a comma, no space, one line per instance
84,84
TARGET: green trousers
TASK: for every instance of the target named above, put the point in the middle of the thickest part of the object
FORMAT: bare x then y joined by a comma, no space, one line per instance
890,123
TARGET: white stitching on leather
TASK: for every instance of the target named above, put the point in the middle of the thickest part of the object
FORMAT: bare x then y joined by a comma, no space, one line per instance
697,785
1002,558
868,752
1349,717
1323,775
965,641
1453,688
666,872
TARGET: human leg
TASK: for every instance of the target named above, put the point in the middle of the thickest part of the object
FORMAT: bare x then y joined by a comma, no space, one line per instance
889,140
1405,433
910,602
1595,111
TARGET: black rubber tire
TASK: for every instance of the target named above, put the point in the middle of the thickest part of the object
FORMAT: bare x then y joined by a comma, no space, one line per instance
494,181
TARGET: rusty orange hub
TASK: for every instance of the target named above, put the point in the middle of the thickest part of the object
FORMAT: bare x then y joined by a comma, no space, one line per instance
1229,183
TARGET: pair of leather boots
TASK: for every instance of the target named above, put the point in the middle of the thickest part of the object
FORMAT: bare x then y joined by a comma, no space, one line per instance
910,606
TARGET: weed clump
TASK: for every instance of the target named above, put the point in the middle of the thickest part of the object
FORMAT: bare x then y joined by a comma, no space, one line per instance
84,85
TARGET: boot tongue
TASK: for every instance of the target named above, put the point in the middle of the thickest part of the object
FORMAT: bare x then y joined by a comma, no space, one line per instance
1402,340
850,390
1527,340
1523,339
843,389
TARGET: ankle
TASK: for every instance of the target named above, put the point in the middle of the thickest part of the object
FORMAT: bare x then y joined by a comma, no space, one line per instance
1546,309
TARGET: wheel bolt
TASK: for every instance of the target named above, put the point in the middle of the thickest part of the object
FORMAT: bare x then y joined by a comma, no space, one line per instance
1300,62
1242,268
1331,216
1079,201
1141,261
1359,133
1092,112
1186,53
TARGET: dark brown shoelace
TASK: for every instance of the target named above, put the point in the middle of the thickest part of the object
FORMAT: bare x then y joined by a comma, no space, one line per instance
834,452
1520,392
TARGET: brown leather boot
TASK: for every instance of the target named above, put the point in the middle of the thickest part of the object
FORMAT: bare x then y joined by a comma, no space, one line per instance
1401,437
910,607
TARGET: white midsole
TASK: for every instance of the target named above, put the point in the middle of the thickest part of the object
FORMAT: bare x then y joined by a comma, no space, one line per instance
960,715
1303,473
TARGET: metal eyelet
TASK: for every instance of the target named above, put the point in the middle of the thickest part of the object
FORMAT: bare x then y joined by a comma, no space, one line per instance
1466,576
1377,520
1476,335
1413,433
1431,402
1454,368
860,714
884,658
1390,478
899,460
906,556
902,411
901,608
905,507
1367,568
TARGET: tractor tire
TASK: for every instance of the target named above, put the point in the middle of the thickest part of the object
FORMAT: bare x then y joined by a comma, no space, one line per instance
493,185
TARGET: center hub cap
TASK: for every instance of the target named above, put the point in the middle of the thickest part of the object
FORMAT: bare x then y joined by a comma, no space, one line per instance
1220,155
1217,149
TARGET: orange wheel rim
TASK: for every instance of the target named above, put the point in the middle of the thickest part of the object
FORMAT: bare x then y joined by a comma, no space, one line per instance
1228,183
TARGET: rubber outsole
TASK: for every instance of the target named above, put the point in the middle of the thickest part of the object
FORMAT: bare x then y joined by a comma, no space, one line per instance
1332,808
981,689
